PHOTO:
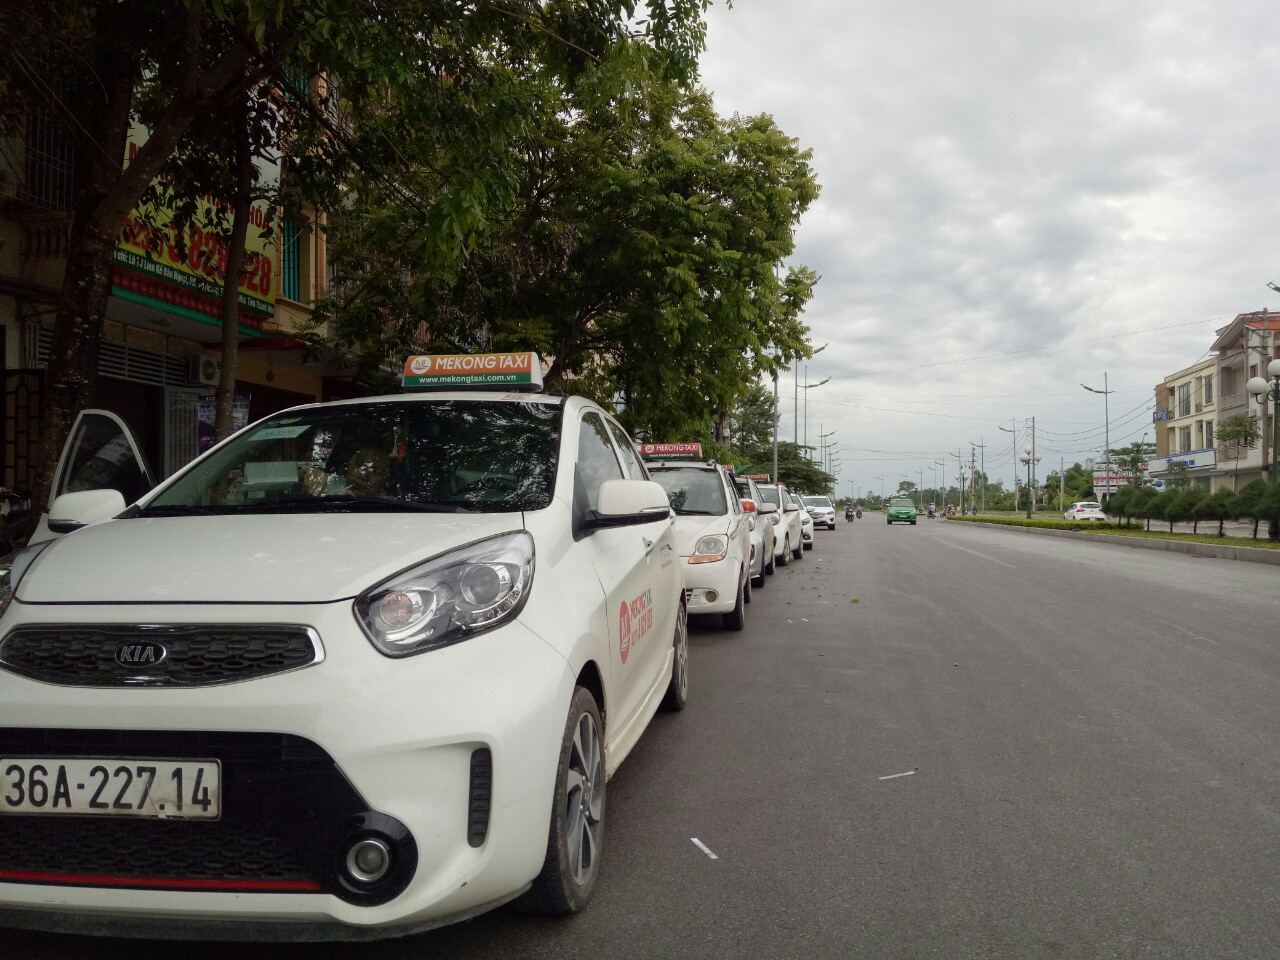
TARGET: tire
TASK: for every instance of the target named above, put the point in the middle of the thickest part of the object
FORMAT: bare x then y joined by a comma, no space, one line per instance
771,565
757,583
809,545
677,695
784,557
798,552
746,588
737,619
577,815
913,523
888,521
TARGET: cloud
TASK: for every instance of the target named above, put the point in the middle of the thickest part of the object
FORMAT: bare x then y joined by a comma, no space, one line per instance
1017,179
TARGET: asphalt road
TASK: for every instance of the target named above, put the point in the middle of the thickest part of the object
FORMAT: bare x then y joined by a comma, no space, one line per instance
1089,733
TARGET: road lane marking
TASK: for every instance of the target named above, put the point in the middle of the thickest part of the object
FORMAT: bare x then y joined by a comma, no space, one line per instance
978,554
704,848
892,776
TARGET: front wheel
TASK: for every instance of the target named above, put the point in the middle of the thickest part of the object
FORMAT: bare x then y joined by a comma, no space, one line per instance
784,557
737,618
574,844
678,689
798,552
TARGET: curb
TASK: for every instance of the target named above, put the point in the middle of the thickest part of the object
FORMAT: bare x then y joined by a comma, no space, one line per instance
1188,547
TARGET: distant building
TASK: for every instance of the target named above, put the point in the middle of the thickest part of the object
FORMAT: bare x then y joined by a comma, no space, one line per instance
1243,349
1183,420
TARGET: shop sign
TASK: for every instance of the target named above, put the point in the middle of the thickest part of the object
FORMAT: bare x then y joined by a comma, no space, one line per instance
1192,460
148,245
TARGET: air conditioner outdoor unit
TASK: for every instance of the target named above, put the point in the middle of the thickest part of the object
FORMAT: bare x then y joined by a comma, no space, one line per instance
204,371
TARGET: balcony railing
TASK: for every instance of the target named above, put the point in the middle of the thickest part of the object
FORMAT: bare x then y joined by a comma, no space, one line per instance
1234,401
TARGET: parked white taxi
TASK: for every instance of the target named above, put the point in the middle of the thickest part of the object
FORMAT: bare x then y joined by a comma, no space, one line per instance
361,669
713,533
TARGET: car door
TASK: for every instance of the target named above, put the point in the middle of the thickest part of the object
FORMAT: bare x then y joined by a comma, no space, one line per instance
101,453
637,570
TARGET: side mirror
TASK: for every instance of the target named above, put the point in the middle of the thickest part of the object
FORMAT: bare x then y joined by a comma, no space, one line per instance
623,503
71,511
748,505
791,508
767,508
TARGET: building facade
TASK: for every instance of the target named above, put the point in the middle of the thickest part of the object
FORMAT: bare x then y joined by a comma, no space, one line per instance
1243,349
162,336
1184,417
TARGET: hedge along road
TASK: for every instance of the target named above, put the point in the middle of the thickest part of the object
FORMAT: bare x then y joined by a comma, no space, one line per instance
1007,747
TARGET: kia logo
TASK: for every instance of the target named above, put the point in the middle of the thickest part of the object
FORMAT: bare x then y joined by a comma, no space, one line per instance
144,653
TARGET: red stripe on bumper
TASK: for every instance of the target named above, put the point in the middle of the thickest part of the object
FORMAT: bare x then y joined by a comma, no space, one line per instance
91,880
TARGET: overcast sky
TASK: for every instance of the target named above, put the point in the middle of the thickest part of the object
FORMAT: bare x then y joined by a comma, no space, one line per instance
1022,182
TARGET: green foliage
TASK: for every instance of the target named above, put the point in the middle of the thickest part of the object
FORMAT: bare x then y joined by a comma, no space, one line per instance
795,470
1178,506
1251,501
634,242
1238,429
1216,506
751,419
1143,503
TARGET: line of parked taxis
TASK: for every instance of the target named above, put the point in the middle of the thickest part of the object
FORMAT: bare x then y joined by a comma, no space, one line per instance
362,669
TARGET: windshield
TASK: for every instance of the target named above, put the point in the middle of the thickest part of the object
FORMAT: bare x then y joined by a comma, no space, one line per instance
816,501
902,502
692,491
480,455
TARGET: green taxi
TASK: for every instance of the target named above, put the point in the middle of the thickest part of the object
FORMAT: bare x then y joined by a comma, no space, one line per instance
901,508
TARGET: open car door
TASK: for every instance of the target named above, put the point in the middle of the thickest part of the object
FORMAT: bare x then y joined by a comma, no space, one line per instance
101,454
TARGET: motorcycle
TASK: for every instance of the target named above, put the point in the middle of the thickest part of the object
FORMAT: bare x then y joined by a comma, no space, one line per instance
848,516
858,513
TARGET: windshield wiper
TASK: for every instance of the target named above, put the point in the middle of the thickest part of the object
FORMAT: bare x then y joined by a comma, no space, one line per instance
345,503
177,510
695,513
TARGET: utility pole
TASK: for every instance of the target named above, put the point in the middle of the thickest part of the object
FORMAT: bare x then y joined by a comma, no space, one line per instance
775,426
1032,492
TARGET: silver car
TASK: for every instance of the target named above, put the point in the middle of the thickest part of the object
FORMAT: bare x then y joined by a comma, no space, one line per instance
762,536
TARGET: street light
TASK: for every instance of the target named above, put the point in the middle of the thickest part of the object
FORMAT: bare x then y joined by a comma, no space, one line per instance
1264,389
936,491
1029,458
1106,413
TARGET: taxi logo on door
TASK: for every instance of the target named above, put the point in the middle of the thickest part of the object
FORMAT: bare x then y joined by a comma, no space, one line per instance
634,621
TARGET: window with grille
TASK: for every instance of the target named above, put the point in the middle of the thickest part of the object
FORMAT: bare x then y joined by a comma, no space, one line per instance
1184,400
1208,388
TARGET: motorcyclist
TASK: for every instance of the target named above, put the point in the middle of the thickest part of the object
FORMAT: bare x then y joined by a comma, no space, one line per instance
848,511
933,510
858,512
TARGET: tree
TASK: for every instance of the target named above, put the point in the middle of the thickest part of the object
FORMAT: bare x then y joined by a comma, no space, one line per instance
1248,501
1216,506
1121,504
639,250
1240,429
1145,505
751,419
120,60
1182,505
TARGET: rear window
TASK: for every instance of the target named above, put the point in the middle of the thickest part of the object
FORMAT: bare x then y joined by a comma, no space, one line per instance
817,501
1089,506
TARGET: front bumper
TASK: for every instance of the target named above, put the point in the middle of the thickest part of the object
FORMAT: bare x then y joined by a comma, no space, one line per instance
356,744
720,578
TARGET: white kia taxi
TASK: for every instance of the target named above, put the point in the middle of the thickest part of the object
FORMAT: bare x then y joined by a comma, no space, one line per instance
363,668
713,534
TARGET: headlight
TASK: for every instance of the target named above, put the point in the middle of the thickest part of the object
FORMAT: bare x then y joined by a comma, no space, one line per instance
449,598
709,549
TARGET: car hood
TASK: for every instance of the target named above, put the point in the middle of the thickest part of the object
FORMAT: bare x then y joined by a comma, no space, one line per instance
311,558
689,530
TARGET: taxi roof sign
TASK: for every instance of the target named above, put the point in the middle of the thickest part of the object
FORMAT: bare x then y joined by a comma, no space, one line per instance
486,371
671,451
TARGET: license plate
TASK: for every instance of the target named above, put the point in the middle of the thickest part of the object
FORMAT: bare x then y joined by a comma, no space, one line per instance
111,787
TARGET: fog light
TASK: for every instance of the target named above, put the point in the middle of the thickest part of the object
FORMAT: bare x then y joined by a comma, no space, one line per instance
368,860
711,596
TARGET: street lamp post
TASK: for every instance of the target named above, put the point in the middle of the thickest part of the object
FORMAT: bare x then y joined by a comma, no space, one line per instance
1106,413
1269,389
1029,457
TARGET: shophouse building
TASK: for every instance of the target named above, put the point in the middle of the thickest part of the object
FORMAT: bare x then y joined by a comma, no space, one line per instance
1185,412
1243,349
160,355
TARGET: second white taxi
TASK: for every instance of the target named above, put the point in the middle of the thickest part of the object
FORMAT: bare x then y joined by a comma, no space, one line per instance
713,535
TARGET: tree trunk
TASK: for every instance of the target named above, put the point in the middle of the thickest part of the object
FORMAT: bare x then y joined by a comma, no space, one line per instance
241,207
1222,525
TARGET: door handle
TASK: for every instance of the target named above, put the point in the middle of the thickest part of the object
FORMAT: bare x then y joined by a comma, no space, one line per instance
648,545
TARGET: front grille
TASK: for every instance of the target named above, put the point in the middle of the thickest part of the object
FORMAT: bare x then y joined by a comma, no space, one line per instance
155,655
289,816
